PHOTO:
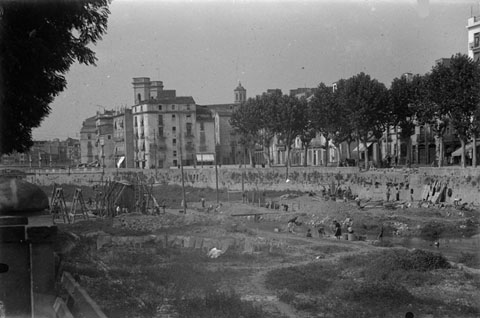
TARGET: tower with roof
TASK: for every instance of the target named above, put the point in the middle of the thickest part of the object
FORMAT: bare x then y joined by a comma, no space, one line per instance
240,94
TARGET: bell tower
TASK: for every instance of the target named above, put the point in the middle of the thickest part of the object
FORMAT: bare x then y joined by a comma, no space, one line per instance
240,94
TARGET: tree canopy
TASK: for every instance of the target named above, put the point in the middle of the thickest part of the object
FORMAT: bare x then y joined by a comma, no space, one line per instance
39,43
454,87
367,107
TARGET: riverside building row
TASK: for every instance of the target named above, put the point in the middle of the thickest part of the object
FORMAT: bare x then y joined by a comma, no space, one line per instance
161,130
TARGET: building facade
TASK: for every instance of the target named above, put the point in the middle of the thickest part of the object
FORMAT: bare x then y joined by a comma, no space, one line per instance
123,138
88,144
163,126
473,31
105,142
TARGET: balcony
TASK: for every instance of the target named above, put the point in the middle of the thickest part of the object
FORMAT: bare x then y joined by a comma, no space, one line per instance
474,46
421,138
189,135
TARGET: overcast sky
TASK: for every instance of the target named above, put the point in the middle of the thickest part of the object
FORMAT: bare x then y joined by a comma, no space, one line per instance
204,48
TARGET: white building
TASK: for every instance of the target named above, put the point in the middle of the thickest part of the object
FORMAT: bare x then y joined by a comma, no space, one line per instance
473,29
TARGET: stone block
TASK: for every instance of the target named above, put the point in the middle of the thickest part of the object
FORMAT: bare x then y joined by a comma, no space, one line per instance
198,242
227,243
249,246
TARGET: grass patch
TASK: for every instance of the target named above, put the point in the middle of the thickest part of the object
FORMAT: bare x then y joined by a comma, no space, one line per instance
469,259
104,225
371,285
302,279
330,249
434,230
216,304
136,283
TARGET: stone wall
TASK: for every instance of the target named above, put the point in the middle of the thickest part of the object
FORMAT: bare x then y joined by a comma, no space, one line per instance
464,183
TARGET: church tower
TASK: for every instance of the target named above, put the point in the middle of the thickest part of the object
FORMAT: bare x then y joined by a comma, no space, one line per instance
240,94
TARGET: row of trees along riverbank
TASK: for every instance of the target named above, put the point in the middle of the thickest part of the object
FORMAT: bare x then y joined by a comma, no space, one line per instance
361,109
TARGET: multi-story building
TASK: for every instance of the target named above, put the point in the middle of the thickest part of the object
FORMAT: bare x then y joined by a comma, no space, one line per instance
96,140
88,144
123,138
227,149
47,153
205,131
302,92
473,30
105,142
163,126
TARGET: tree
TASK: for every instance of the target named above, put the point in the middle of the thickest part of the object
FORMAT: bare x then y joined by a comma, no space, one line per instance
345,125
325,114
288,120
306,136
475,131
454,87
246,122
39,43
404,93
366,104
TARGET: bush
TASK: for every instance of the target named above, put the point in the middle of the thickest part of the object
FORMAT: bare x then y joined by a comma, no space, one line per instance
403,260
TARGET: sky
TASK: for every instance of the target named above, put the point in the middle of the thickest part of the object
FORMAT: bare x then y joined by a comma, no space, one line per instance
205,48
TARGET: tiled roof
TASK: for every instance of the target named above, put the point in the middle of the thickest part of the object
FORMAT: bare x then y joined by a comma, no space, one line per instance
222,109
176,100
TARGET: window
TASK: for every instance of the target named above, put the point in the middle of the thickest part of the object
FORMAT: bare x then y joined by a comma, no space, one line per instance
175,162
139,97
160,131
202,126
173,116
160,120
189,129
189,116
173,107
174,142
174,129
135,121
188,107
174,153
159,107
89,136
476,40
109,137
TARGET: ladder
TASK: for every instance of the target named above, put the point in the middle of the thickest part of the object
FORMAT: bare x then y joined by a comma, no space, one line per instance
144,199
58,207
78,200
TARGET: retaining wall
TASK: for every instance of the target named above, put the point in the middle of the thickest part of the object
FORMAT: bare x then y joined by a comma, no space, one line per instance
244,244
464,183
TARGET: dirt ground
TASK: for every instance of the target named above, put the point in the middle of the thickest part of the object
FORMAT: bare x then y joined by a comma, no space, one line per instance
233,215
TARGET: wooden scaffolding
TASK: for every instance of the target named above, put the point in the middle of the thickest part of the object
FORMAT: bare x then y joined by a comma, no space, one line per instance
58,207
79,208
